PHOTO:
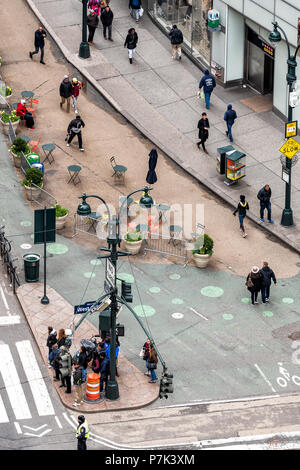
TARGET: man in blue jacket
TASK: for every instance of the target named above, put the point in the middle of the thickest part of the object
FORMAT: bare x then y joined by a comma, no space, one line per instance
39,43
208,83
230,116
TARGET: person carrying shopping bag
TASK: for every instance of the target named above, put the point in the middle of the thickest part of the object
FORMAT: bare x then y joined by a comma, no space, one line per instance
136,9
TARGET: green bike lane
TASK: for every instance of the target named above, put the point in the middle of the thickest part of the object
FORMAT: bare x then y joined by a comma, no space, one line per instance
218,346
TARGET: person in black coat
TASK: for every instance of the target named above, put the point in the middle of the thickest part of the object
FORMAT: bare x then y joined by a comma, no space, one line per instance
74,128
65,92
230,116
267,276
264,196
131,42
254,283
242,209
104,371
107,17
92,23
203,126
51,339
39,43
176,41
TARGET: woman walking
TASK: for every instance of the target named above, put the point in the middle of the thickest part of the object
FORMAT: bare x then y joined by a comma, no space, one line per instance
152,363
76,87
254,283
203,126
242,209
131,42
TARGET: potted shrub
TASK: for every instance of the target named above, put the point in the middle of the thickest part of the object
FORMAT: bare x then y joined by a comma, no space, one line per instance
19,145
203,250
133,241
61,216
35,176
9,116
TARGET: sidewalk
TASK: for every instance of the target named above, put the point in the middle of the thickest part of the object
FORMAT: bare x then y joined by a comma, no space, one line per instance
158,96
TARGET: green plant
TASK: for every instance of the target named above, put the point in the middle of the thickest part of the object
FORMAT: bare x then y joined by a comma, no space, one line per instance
61,211
203,245
8,91
133,236
5,117
1,60
33,175
20,145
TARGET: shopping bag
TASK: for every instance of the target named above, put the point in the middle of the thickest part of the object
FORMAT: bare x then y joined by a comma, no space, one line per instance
202,94
142,353
141,11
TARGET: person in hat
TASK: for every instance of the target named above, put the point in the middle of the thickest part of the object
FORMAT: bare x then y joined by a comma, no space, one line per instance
82,433
74,128
242,209
65,91
23,112
254,283
208,83
76,87
92,22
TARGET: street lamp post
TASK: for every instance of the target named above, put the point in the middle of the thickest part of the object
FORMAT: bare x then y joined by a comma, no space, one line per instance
275,37
113,240
84,49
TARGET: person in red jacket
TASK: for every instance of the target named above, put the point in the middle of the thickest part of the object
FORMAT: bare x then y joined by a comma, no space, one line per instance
76,87
25,114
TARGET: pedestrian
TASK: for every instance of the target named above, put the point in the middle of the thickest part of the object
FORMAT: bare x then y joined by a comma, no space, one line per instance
188,13
104,370
230,116
82,433
107,17
176,41
152,363
242,209
51,340
131,42
92,23
146,349
107,351
264,196
253,283
135,6
203,126
39,43
76,87
54,361
74,128
208,83
61,337
65,368
103,5
83,362
267,276
78,380
65,91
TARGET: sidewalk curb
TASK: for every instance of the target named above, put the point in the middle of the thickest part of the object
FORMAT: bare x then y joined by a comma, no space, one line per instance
137,125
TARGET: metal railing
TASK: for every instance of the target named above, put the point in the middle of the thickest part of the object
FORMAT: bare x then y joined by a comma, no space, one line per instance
167,246
7,261
40,196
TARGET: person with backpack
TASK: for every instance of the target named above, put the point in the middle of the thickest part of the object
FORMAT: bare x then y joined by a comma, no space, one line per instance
176,41
131,42
74,128
135,6
65,91
230,116
242,209
78,380
254,283
208,83
267,277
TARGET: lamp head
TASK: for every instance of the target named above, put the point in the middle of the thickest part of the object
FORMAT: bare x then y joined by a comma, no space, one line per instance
146,201
83,208
275,36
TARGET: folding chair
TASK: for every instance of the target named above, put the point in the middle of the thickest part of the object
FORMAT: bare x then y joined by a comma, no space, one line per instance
32,109
34,145
119,170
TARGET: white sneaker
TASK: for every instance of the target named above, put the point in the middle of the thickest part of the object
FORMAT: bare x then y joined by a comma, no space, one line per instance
267,300
81,150
244,235
255,301
76,112
68,145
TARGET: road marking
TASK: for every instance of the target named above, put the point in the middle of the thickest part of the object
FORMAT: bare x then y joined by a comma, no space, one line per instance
35,429
199,314
265,378
58,422
3,414
12,383
4,299
35,379
9,320
18,428
219,402
38,435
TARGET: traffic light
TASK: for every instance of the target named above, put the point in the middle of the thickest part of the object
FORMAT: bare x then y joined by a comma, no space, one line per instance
166,385
126,291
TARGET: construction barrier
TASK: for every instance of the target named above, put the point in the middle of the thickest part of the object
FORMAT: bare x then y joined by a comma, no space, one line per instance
92,394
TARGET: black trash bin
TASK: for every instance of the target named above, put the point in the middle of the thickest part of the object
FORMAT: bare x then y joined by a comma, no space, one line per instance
31,267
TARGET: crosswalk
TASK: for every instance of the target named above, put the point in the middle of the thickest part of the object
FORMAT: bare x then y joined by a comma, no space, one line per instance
14,389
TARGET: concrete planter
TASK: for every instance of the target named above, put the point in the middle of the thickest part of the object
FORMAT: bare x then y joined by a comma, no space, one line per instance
61,222
201,261
133,247
34,191
17,159
5,126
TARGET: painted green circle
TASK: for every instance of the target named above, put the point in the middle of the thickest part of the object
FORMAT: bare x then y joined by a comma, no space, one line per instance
154,290
177,301
89,275
57,248
212,291
126,277
227,316
246,300
144,310
268,314
26,223
287,300
174,277
95,262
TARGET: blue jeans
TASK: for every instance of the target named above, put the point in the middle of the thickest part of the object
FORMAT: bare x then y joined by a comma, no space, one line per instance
229,133
207,98
265,293
263,206
153,374
241,219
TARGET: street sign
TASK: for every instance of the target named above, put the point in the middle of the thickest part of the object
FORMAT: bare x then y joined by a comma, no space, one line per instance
39,225
110,274
290,148
78,309
291,129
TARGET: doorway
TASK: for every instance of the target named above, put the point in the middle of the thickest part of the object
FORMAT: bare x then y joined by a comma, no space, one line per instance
259,66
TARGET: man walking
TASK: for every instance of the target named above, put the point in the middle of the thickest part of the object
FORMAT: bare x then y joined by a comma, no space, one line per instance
66,91
264,196
82,433
107,17
39,43
267,276
176,41
203,126
230,116
92,23
74,128
208,83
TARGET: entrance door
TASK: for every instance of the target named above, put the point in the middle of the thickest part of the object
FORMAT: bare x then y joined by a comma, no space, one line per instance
259,70
256,65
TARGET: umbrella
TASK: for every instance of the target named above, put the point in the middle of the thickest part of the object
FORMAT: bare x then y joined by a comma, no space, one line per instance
151,175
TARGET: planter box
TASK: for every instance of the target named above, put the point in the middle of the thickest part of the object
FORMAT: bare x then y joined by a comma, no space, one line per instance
5,126
34,191
201,261
17,160
61,221
133,247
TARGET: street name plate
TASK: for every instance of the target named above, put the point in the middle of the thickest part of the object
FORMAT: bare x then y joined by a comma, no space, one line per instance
110,274
290,148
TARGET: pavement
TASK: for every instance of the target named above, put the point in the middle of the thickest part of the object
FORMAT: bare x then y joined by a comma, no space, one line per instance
158,96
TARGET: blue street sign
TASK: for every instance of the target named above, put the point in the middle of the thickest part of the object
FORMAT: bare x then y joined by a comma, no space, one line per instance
79,309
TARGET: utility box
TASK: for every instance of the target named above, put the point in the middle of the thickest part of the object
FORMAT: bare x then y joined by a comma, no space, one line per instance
221,159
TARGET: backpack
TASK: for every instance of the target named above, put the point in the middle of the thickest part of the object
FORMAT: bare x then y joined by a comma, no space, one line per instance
135,3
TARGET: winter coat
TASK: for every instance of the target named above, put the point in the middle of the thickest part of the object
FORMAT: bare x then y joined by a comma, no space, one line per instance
21,111
52,338
241,208
75,126
176,36
208,82
61,342
66,367
105,368
256,280
54,358
76,89
230,115
152,358
66,89
135,4
131,40
77,376
39,38
203,133
264,196
267,276
83,360
92,20
107,17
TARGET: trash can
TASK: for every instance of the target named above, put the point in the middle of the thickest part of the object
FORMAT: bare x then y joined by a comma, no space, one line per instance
31,267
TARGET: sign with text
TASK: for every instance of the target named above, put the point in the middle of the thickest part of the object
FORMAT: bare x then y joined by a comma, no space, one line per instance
78,309
110,275
291,129
290,148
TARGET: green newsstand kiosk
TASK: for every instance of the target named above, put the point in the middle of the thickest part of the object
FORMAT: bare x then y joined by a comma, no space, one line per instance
231,163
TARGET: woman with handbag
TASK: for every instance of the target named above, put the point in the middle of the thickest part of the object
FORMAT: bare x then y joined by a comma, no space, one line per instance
254,283
152,363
